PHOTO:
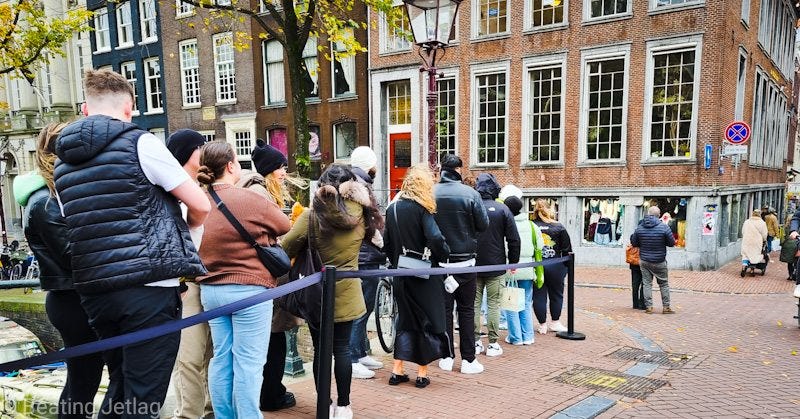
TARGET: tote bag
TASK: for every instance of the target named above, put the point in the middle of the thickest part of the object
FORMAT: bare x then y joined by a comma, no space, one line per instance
305,303
512,298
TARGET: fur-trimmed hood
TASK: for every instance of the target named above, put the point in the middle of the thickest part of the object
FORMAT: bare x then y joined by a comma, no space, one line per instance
333,215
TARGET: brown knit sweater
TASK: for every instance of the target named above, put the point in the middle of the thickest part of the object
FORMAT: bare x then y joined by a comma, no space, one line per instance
227,256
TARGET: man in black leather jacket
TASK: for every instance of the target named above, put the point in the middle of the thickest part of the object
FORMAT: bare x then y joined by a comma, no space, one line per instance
460,215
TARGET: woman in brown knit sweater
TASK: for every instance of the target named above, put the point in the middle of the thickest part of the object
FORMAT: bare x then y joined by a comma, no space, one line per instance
235,273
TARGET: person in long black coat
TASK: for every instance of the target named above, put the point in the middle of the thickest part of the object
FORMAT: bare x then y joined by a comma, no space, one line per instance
420,336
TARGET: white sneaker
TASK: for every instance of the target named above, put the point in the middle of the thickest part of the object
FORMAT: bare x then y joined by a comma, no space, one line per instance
494,349
797,291
543,329
527,342
473,367
556,326
478,347
370,362
508,341
446,364
343,412
360,371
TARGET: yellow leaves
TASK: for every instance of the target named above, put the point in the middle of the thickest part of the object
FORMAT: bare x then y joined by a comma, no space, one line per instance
262,35
794,353
733,349
780,323
766,362
190,25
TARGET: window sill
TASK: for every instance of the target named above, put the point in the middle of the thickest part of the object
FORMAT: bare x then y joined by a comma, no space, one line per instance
549,28
607,19
101,51
676,8
313,101
135,113
154,112
192,106
491,37
124,46
185,15
540,165
277,105
225,102
148,41
745,24
489,166
602,163
389,53
667,161
343,98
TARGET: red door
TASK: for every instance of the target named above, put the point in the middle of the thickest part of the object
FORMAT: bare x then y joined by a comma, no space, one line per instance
399,160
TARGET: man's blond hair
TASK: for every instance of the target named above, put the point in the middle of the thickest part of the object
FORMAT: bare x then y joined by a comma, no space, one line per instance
99,85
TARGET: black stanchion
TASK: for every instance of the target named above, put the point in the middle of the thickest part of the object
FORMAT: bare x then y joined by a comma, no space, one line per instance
326,343
571,334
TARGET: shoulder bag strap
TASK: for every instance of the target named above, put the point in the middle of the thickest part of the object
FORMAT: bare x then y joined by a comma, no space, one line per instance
310,234
234,222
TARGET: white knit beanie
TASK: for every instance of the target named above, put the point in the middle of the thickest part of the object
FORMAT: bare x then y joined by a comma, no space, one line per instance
510,190
364,158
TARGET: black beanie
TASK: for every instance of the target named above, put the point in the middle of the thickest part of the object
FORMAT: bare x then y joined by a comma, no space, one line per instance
267,158
450,161
183,142
514,204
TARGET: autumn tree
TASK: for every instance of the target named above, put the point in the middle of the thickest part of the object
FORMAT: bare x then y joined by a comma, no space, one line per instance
292,22
31,33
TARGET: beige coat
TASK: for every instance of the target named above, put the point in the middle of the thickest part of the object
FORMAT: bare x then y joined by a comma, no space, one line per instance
754,234
773,229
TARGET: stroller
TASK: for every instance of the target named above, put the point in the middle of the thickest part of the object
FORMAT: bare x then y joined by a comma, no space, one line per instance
753,266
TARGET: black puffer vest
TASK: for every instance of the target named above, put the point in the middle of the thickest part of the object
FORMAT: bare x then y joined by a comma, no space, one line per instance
124,231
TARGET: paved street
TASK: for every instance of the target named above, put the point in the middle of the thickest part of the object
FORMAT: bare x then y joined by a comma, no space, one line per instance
730,351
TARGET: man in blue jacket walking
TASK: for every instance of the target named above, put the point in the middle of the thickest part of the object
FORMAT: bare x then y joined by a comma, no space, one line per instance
652,237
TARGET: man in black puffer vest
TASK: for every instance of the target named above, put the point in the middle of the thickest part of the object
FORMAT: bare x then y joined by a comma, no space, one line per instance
118,187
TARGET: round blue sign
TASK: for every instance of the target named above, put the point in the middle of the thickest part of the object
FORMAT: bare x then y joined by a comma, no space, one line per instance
737,132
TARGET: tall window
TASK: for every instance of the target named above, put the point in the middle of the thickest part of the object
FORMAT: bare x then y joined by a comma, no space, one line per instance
776,33
190,72
543,110
147,18
243,144
183,9
673,101
597,9
44,83
770,124
274,85
446,115
399,96
395,39
740,85
311,64
81,63
492,17
544,14
128,70
344,67
604,107
224,69
102,37
344,137
152,85
124,25
490,124
746,11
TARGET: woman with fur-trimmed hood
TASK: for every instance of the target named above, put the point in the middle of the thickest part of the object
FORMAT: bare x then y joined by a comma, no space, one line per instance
342,216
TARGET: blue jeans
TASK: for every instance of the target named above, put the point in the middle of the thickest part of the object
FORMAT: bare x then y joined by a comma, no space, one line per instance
520,325
240,350
769,243
358,337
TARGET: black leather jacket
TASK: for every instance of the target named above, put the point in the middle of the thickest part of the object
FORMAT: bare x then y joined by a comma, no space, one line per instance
460,215
46,232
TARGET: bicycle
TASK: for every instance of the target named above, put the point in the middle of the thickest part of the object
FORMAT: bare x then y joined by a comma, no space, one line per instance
385,313
33,270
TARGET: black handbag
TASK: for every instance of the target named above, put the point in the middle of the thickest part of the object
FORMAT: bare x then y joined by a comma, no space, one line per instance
306,302
407,262
273,257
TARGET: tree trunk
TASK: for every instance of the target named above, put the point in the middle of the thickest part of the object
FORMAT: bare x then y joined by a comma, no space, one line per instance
299,111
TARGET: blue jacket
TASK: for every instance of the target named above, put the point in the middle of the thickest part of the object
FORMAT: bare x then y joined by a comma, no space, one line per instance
652,237
124,231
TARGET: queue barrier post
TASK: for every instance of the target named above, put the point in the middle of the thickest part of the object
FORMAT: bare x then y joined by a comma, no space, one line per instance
326,342
571,334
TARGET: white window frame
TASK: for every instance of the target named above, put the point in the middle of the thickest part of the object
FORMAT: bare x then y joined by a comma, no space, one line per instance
768,144
148,21
243,151
308,58
476,20
183,9
338,124
448,74
223,2
741,83
209,135
666,46
475,71
44,82
275,64
746,12
389,43
228,65
588,18
133,83
528,18
390,109
623,52
124,27
149,91
528,65
655,7
101,31
351,61
776,34
160,133
190,73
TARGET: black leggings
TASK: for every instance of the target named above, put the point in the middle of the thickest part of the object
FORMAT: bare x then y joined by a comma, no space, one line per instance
554,289
342,368
83,373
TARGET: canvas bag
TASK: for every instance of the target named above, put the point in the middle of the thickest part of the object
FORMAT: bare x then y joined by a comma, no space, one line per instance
512,298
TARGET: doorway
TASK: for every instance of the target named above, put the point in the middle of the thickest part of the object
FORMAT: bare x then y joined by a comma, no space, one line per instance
399,160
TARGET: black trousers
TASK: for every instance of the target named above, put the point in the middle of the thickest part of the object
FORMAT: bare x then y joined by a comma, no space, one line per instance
83,373
553,289
272,389
139,373
637,290
463,298
342,368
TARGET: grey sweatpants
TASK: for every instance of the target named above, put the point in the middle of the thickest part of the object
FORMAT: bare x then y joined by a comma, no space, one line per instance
659,272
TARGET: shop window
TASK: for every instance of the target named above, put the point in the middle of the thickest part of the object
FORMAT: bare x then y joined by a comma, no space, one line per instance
602,221
276,137
673,214
722,223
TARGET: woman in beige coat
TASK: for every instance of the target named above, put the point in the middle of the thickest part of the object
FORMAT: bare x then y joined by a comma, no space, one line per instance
754,234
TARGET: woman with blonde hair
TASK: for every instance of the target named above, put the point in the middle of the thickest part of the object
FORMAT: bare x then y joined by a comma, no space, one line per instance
556,244
420,336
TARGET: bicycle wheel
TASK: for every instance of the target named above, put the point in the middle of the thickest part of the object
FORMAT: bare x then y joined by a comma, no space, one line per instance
16,272
33,271
385,314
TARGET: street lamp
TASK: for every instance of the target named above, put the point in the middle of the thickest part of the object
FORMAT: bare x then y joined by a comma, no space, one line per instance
432,23
3,162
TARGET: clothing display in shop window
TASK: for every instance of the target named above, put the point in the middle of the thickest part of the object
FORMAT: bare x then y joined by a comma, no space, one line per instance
610,208
602,233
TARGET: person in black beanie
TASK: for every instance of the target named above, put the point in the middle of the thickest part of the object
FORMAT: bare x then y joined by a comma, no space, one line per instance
185,145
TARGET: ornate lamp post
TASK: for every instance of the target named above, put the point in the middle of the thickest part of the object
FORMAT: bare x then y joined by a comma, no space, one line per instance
432,23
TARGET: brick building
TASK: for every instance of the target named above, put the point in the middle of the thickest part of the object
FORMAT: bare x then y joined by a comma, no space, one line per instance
606,107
